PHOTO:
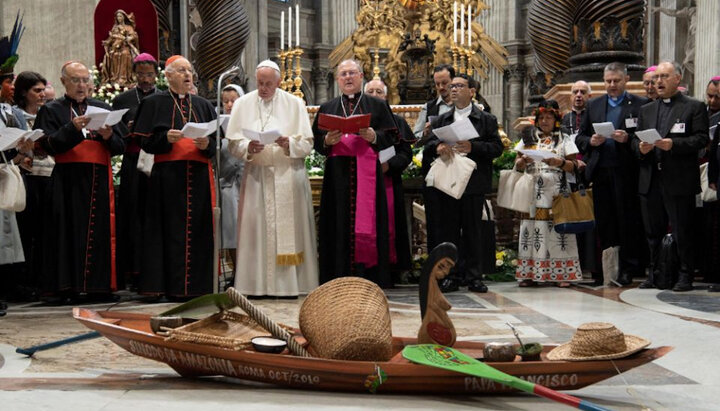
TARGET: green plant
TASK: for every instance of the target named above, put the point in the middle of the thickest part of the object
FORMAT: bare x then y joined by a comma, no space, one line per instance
506,161
413,170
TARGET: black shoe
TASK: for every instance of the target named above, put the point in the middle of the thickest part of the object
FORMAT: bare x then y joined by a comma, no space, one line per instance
449,285
714,288
624,279
683,285
477,286
647,284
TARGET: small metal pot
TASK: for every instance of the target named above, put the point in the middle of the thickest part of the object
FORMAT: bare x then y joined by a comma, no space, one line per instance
499,352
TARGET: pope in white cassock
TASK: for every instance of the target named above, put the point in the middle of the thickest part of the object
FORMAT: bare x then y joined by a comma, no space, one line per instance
276,252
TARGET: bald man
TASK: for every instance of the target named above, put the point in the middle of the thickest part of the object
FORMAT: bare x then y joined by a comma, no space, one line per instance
580,93
80,234
177,259
669,177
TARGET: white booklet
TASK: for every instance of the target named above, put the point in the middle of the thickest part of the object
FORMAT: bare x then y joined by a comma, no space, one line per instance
604,129
648,136
387,154
99,117
462,130
264,137
10,136
538,155
197,130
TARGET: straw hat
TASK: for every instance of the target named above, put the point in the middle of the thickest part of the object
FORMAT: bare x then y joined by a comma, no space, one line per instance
598,341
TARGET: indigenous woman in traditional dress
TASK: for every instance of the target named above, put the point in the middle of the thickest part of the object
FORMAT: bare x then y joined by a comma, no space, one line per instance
545,255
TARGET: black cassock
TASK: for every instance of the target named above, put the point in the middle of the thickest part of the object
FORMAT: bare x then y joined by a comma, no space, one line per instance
396,165
132,191
337,205
79,241
178,242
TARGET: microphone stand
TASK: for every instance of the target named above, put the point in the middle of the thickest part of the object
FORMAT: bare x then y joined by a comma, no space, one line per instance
217,211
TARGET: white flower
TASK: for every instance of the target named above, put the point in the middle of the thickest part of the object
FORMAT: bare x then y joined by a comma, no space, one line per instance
514,262
498,263
116,85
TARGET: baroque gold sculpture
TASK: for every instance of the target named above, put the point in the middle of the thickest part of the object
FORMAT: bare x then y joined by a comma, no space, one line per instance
383,23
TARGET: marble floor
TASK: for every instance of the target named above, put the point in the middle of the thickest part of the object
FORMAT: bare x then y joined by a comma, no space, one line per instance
97,375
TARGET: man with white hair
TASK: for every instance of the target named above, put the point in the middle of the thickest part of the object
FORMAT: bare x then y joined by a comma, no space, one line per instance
79,240
276,253
177,258
353,216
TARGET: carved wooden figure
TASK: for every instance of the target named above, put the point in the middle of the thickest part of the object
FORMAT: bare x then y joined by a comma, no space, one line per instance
436,327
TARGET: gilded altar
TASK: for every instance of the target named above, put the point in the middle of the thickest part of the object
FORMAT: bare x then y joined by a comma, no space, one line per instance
396,29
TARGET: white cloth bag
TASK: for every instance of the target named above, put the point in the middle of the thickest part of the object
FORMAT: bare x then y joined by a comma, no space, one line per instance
451,175
707,195
523,193
145,162
12,187
506,186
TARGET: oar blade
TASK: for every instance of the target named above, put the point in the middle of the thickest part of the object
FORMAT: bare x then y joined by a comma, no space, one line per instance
200,306
450,359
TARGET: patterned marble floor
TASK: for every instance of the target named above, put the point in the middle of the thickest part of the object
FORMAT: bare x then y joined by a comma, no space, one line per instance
97,375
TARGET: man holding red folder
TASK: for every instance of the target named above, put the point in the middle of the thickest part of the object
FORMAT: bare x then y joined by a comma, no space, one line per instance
353,234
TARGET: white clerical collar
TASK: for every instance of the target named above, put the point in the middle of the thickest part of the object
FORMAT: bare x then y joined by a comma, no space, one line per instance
666,100
465,110
351,96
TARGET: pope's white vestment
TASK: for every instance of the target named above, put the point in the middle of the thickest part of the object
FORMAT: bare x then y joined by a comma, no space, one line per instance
276,250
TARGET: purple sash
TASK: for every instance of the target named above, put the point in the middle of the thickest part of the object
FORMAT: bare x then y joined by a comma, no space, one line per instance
390,197
352,145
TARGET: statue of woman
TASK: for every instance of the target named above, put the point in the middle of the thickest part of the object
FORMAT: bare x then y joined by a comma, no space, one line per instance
121,47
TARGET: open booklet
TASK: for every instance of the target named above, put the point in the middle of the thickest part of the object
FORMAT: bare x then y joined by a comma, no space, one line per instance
264,137
197,130
346,125
10,136
462,130
224,121
99,117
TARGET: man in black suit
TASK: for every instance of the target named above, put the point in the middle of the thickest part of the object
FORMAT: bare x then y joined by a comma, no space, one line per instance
613,170
442,76
458,221
581,93
669,177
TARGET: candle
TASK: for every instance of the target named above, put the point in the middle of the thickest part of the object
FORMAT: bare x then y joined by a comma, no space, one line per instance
454,22
297,25
469,28
289,28
282,30
462,24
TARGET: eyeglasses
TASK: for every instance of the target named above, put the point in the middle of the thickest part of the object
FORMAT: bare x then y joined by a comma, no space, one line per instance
457,86
351,73
78,80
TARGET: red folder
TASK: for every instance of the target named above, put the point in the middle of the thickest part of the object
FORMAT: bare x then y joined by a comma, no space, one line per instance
349,125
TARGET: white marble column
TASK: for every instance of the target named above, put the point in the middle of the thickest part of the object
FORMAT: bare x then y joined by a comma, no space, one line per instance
707,43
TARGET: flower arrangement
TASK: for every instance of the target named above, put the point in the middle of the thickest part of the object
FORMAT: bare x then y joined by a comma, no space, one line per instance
107,92
413,170
315,164
505,265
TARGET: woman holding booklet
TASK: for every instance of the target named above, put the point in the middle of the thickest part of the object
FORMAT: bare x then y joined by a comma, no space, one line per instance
543,254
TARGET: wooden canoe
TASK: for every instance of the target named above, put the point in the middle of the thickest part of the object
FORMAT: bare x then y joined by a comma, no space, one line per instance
132,332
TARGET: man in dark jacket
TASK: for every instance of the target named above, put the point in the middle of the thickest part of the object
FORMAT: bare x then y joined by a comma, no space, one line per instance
458,221
613,171
669,177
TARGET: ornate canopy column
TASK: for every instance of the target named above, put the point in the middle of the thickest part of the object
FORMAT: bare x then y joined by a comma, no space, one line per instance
515,77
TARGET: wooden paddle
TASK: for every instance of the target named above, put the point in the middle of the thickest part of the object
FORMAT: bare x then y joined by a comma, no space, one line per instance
188,309
450,359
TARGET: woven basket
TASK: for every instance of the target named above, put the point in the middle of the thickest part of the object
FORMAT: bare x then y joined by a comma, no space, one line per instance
348,319
226,329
